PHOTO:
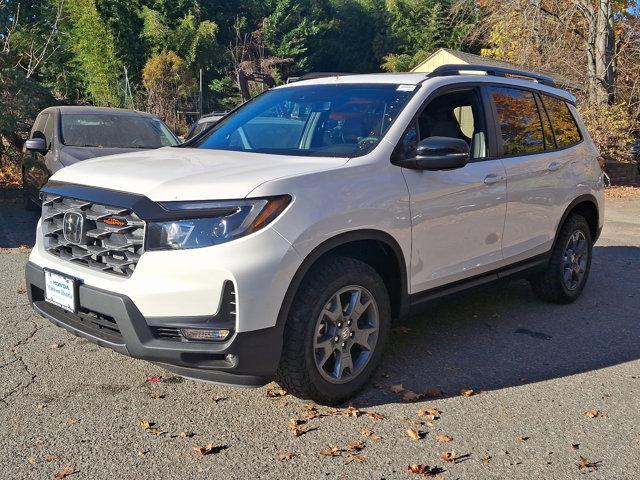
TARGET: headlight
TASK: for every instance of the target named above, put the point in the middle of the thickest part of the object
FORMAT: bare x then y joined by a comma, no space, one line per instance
202,224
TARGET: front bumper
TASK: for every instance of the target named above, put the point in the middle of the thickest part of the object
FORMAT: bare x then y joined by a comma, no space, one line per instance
112,320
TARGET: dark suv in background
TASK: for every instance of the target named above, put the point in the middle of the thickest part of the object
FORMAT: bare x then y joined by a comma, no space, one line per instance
62,136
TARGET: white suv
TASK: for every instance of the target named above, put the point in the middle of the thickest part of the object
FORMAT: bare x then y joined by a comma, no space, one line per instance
284,241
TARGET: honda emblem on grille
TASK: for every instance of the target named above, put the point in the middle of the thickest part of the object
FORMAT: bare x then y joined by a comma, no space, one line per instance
73,227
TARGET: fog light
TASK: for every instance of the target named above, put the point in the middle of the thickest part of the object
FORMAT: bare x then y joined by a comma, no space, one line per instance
201,334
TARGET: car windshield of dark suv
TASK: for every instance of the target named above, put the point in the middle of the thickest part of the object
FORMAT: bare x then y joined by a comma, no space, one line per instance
317,120
115,131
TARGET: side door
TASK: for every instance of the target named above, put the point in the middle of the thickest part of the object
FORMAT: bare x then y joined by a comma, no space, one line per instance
535,172
457,215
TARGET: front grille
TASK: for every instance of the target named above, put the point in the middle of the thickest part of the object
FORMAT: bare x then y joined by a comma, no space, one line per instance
112,248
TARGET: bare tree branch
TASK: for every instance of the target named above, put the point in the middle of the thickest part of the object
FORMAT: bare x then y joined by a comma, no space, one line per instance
38,54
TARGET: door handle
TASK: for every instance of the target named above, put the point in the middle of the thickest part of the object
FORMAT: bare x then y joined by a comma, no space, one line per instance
493,178
554,166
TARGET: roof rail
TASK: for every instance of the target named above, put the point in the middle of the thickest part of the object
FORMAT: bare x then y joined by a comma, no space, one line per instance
314,75
446,70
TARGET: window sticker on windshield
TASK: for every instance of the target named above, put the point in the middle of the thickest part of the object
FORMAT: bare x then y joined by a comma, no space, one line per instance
406,88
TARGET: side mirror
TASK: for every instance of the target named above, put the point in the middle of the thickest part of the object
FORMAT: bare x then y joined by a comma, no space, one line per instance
36,145
439,153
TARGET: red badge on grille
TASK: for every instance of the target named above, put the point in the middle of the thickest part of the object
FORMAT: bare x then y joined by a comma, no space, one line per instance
115,222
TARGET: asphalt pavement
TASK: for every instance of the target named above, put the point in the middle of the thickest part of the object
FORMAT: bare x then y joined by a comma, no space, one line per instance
534,369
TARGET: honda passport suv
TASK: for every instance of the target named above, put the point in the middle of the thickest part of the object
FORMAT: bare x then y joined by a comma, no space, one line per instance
283,242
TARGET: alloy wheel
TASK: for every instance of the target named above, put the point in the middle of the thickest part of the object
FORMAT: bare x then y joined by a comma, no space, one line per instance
574,260
346,333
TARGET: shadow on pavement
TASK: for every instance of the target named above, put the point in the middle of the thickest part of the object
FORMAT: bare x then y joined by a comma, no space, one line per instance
501,335
17,225
491,337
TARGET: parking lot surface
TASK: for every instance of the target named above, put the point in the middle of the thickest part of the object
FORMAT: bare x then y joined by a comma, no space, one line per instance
534,370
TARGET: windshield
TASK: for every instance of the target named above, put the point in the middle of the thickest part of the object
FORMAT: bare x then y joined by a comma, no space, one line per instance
316,120
114,131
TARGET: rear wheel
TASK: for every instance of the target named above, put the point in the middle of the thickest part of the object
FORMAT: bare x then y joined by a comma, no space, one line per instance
336,332
566,274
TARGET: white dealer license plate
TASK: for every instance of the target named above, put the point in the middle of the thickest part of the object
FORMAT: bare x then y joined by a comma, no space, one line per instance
60,290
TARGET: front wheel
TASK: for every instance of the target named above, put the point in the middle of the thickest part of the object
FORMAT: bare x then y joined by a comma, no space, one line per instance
566,274
336,332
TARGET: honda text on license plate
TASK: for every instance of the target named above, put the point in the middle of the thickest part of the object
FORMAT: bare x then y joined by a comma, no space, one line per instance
60,290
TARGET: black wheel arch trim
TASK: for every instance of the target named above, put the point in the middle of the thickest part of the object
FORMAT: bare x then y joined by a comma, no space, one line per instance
334,242
585,198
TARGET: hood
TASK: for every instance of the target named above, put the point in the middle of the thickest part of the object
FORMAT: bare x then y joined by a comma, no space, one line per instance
70,155
190,174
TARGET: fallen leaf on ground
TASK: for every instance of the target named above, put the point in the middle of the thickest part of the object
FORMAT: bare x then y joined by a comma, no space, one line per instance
367,432
144,424
21,290
467,392
24,249
186,434
51,457
355,446
414,434
430,412
282,456
54,346
433,393
409,396
330,452
397,388
352,411
157,396
443,438
352,457
71,421
154,379
206,449
375,415
298,427
274,392
522,439
592,413
65,472
149,428
585,463
449,456
419,469
486,459
311,412
32,460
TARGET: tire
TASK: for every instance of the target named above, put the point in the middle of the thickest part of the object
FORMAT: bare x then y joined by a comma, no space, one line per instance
313,326
552,285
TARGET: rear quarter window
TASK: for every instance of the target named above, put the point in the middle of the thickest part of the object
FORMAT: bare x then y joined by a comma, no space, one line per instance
564,125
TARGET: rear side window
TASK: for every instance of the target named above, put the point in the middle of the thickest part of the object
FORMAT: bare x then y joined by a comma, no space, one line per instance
519,121
564,125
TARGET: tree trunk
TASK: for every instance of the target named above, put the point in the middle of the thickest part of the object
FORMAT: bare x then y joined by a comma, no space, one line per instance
600,50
